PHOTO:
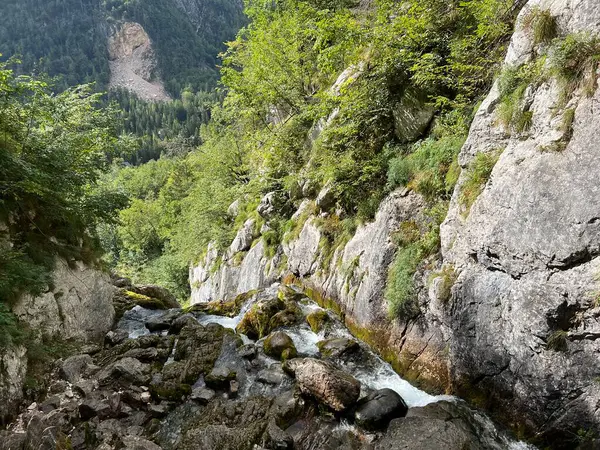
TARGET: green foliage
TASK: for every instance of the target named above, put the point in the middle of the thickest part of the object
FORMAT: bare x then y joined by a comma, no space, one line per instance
68,38
430,169
281,121
11,332
53,150
512,84
542,24
447,276
574,61
478,174
413,249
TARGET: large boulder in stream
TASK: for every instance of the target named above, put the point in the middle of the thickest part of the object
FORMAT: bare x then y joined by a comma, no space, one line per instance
324,381
279,345
379,408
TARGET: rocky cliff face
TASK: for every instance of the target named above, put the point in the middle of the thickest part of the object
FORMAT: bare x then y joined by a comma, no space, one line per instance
133,63
523,321
77,307
519,333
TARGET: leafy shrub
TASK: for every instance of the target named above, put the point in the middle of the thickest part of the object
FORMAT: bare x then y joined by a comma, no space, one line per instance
426,169
478,174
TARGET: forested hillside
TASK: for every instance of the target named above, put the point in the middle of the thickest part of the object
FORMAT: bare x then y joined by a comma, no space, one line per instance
68,38
278,73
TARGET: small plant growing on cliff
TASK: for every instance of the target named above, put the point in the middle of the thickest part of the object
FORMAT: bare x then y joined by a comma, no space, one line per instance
512,84
557,341
478,174
448,277
574,61
542,24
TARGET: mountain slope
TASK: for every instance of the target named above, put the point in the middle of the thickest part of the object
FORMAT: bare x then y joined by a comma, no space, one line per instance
68,38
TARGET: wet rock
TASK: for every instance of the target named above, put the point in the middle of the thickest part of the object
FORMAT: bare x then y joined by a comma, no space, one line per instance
182,321
159,293
72,369
160,410
197,350
162,322
275,438
317,320
287,408
234,388
115,337
138,443
337,347
125,371
379,408
279,345
273,375
323,380
219,377
202,395
247,351
256,323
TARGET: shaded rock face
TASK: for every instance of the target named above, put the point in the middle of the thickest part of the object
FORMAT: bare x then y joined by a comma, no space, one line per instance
522,324
78,307
13,369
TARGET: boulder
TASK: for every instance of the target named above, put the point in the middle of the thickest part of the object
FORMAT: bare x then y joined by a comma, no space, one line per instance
444,425
202,395
164,321
337,347
326,198
280,346
273,203
90,408
317,320
125,371
182,321
243,239
379,408
138,443
256,322
219,377
324,381
77,307
13,370
73,368
159,293
115,337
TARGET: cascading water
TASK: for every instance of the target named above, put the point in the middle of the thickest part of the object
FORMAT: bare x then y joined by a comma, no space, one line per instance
265,376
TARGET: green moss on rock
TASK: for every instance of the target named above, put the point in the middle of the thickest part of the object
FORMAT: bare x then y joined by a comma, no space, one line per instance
279,345
317,320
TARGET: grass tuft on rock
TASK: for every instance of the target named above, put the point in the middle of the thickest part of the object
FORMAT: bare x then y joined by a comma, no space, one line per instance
478,174
542,24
